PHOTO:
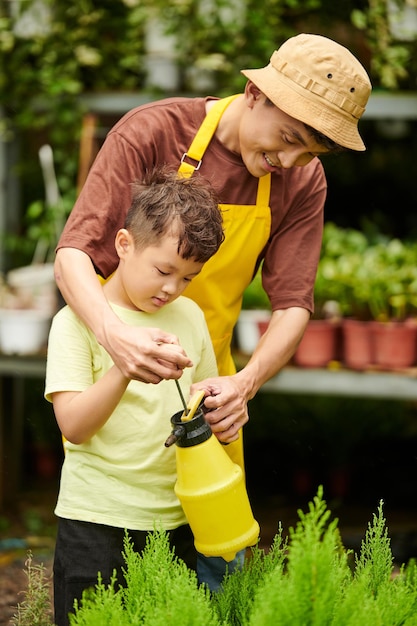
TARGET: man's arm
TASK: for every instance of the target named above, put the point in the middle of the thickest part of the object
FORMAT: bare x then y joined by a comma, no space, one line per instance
229,395
145,354
275,348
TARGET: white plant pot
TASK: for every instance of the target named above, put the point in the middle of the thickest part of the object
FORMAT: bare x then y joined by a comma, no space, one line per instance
403,20
35,285
23,331
160,61
249,328
162,72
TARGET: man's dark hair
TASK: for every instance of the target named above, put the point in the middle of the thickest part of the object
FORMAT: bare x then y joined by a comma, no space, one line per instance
319,137
325,141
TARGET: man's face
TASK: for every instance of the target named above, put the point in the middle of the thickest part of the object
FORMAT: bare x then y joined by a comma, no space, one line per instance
270,139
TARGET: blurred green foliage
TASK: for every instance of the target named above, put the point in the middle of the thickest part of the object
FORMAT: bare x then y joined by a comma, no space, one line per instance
52,52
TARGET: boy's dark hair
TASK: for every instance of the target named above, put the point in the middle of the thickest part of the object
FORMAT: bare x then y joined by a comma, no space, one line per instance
164,202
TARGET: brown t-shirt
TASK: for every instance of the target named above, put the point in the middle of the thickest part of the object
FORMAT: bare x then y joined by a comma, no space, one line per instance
161,132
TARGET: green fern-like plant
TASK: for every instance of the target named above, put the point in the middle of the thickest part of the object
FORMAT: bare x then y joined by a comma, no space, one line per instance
375,562
316,572
307,579
35,608
160,589
234,601
160,586
318,587
102,606
375,596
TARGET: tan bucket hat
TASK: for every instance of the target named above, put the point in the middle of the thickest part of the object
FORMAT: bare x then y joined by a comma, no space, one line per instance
319,82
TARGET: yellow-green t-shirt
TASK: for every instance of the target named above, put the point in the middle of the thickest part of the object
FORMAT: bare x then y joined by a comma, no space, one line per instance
124,476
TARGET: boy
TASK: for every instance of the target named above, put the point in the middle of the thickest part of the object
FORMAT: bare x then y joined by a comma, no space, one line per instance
117,473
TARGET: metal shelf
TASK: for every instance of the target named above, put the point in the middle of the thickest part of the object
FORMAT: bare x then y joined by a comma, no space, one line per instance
293,380
401,105
27,366
381,105
380,385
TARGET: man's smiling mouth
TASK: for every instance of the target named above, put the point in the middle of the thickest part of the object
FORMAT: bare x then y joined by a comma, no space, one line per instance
271,163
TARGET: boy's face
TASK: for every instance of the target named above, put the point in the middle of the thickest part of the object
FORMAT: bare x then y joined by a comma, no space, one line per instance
270,139
151,277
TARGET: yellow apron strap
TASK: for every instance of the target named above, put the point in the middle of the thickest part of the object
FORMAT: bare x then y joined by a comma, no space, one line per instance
264,188
221,330
203,137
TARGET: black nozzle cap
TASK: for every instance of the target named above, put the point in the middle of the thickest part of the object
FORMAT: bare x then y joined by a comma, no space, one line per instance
196,430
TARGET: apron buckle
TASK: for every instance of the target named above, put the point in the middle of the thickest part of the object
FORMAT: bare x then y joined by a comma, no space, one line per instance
186,156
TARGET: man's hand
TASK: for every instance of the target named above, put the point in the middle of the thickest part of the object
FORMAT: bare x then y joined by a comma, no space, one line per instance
227,396
145,354
227,410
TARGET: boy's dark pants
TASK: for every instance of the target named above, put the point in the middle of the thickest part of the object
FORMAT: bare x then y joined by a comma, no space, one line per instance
84,549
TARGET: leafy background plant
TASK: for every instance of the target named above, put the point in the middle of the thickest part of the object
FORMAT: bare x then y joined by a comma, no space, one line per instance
389,58
48,62
370,275
88,46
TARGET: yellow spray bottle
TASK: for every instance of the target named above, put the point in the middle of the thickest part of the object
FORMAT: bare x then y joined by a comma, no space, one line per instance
210,487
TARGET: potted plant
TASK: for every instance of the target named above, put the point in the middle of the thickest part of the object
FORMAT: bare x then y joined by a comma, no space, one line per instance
344,275
374,281
29,297
254,316
320,345
354,276
393,303
27,303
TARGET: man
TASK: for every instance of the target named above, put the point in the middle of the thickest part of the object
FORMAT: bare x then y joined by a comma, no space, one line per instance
260,151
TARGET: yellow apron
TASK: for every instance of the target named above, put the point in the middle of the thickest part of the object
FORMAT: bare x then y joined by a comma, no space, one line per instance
218,289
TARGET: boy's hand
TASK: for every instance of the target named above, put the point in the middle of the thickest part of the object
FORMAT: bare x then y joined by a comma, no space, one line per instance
145,354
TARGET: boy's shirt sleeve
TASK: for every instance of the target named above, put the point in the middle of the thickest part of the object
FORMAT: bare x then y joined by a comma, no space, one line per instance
70,357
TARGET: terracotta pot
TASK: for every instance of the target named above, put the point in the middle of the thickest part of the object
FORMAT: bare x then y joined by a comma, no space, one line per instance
394,344
357,344
339,482
251,325
45,461
319,345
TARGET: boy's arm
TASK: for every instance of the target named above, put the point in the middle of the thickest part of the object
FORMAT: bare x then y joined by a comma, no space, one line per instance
80,414
145,354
